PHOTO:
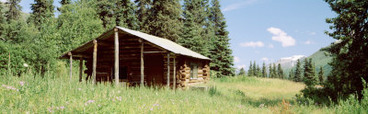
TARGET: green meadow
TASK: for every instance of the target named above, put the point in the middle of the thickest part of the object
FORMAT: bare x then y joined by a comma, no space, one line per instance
57,94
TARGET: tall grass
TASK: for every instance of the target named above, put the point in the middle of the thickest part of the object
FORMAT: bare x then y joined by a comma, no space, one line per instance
30,93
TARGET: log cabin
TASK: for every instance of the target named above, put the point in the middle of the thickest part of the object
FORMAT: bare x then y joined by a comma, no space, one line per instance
132,58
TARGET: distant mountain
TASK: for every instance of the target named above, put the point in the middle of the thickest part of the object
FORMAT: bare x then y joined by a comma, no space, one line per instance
289,62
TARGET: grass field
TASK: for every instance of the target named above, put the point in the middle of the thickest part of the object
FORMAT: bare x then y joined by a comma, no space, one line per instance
226,95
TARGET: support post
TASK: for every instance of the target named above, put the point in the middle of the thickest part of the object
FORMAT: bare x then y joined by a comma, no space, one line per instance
80,69
168,70
142,63
94,65
174,73
70,65
116,40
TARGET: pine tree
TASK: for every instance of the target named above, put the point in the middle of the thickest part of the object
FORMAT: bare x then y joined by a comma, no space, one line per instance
241,72
41,11
14,10
291,75
259,72
222,54
254,68
264,71
309,75
270,71
349,63
298,72
2,22
194,18
164,20
320,75
250,70
105,10
280,71
274,71
125,15
143,12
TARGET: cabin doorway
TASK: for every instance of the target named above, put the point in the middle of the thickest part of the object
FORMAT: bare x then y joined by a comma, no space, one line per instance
154,67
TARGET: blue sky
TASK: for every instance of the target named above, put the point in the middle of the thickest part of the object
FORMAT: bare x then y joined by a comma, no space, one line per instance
267,30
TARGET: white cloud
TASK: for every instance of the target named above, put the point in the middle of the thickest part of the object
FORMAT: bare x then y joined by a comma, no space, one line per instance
281,36
252,44
265,59
3,1
238,5
271,46
240,66
312,33
236,59
308,42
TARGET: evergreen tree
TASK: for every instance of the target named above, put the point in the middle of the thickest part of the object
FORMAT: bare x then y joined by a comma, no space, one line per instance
298,72
221,54
291,76
41,11
105,10
280,72
320,75
259,72
125,15
309,75
143,12
2,22
14,10
194,17
241,72
164,20
349,63
250,70
254,68
274,71
270,71
264,72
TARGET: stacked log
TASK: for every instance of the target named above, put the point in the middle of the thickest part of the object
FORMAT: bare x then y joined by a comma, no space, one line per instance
206,73
183,76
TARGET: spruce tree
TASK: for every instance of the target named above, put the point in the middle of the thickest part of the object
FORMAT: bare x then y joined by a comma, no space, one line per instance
14,10
274,71
254,68
105,10
270,70
241,72
250,70
221,54
309,76
143,12
264,70
349,63
2,22
291,75
280,72
194,20
164,20
41,11
298,72
259,72
320,75
125,16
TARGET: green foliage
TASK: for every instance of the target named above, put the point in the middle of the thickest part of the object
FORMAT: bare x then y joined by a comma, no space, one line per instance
125,15
250,70
310,78
349,63
241,72
105,10
280,72
164,20
14,10
264,70
221,54
298,72
42,10
143,13
320,75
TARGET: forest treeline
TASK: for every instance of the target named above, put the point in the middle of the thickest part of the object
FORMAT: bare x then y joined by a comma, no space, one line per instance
39,39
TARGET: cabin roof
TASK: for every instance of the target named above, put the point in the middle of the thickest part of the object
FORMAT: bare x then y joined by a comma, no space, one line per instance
161,42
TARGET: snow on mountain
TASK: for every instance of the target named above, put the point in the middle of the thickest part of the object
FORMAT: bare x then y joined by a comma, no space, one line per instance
288,62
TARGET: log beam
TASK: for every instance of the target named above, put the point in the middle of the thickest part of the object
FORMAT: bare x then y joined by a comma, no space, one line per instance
168,70
174,73
116,40
70,65
94,64
142,63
